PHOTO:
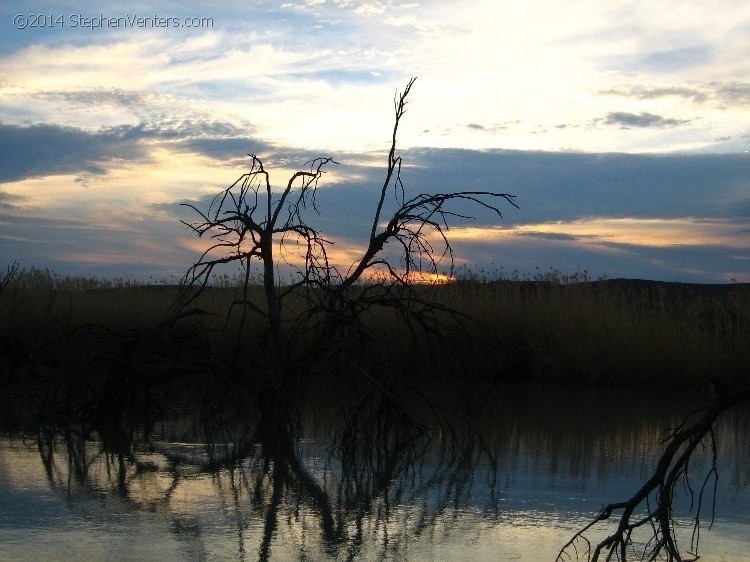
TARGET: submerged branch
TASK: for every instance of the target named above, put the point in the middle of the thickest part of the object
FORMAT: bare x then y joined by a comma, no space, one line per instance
671,469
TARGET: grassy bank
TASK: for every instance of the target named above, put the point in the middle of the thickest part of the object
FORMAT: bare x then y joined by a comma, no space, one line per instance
620,332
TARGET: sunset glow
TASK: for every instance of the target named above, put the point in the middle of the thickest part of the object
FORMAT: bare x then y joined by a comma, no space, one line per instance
622,127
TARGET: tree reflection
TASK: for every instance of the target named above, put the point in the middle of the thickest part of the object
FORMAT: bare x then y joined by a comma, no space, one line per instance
366,474
265,476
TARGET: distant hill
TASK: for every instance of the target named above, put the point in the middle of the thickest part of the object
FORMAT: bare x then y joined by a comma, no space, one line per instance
705,289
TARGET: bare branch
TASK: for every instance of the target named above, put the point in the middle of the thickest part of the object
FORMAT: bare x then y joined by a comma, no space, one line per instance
394,162
671,469
243,232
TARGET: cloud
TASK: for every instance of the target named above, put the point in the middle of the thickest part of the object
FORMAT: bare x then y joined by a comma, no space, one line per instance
122,124
223,148
726,94
40,150
630,231
651,248
78,246
734,93
549,186
8,200
563,186
550,235
651,231
559,193
319,74
625,119
99,96
647,93
52,149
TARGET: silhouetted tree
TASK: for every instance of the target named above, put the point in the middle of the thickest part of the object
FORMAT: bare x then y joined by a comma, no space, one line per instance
250,221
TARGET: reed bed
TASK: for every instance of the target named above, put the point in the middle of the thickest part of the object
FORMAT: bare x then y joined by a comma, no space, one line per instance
548,326
614,332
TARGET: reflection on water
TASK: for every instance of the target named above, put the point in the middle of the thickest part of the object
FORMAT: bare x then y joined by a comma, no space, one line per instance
355,478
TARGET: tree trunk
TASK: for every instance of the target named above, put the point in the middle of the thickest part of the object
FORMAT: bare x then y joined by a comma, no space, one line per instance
272,298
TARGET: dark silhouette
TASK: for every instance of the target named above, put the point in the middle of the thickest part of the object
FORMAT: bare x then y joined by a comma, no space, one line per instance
248,221
646,529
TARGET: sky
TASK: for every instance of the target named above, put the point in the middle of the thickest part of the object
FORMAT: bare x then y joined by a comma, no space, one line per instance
622,128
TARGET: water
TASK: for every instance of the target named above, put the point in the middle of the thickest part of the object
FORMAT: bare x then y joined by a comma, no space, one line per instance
370,478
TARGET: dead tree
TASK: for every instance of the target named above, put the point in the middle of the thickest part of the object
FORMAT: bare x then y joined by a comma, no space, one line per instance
646,529
249,221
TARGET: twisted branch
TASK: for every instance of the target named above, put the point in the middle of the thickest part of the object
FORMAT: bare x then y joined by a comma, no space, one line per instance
671,469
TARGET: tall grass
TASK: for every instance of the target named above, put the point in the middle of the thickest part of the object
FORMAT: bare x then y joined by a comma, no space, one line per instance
545,326
612,332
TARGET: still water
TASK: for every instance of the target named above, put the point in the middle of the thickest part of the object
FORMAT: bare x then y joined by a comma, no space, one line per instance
366,478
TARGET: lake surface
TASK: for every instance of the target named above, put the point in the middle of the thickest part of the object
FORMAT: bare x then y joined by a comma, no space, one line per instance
407,477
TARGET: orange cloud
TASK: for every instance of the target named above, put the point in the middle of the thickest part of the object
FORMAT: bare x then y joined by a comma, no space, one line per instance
655,232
